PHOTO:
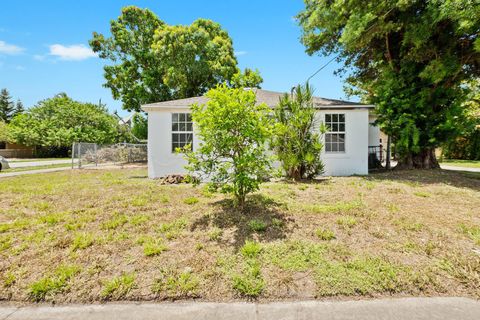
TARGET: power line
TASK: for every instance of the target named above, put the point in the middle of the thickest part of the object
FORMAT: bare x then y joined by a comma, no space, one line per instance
336,56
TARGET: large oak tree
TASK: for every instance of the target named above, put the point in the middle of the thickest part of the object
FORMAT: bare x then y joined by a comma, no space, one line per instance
409,58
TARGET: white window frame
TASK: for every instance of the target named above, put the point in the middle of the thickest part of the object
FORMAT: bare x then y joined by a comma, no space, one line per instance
174,145
331,131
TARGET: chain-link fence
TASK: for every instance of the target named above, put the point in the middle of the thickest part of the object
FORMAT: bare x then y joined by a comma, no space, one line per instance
92,154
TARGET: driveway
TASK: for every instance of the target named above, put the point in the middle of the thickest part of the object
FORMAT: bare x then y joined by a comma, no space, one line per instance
391,309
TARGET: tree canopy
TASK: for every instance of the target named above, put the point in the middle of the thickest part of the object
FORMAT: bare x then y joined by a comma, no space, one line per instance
152,61
238,161
409,58
60,121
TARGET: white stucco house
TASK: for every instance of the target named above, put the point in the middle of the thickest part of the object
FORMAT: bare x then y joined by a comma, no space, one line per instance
351,133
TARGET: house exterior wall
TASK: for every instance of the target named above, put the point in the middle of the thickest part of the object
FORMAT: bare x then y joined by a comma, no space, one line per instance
373,132
162,161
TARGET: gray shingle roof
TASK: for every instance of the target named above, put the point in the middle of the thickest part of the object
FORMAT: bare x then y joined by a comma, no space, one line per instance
270,98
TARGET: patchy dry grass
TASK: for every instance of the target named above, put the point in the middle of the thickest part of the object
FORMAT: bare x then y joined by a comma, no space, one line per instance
83,236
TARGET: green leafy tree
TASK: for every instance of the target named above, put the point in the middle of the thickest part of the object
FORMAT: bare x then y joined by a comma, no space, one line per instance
233,130
467,144
247,79
297,139
60,121
4,136
409,58
7,107
151,61
140,126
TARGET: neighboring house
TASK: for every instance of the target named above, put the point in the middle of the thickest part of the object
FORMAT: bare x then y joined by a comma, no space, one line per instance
347,142
13,150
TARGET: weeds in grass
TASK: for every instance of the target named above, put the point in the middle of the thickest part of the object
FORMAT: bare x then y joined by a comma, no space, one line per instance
250,282
139,219
215,234
190,200
278,223
5,242
82,240
250,249
347,222
294,255
139,201
325,234
408,225
18,224
118,287
53,283
173,229
9,279
473,232
183,284
118,220
53,218
257,225
153,247
334,208
359,276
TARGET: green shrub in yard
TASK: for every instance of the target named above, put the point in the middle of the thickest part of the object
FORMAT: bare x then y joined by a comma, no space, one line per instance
184,284
118,287
190,200
325,234
53,283
82,241
257,225
250,283
251,249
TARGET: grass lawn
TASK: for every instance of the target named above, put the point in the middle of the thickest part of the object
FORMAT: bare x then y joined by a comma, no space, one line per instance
91,235
462,163
50,166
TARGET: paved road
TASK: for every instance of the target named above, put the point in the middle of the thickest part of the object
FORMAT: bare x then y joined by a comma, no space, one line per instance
455,168
391,309
38,163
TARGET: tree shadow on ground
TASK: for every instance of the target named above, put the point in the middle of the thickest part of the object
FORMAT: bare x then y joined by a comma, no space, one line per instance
258,207
459,179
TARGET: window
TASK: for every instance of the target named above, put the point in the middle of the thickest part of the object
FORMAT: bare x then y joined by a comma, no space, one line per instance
335,136
182,130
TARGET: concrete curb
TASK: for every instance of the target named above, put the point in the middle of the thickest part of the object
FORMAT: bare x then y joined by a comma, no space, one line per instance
403,308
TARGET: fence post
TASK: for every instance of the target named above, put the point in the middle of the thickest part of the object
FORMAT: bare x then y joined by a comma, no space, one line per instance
79,155
96,157
129,154
73,153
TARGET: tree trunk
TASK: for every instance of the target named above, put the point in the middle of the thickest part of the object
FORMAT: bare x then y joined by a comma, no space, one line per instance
387,161
425,159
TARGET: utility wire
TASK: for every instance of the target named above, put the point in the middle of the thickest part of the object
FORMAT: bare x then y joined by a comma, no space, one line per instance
336,56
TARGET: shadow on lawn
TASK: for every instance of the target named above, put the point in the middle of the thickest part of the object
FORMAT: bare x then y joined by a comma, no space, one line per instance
459,179
257,208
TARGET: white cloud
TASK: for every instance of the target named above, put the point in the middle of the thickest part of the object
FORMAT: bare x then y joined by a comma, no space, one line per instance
74,52
10,48
39,57
240,53
20,68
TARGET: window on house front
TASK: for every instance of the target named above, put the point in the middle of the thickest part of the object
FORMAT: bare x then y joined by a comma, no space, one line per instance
335,135
182,130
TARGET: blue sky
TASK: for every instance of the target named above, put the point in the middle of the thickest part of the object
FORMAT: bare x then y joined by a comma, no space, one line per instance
44,44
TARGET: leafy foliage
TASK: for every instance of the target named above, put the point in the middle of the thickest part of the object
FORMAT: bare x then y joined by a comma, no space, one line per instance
4,136
467,144
296,142
140,126
237,162
60,121
409,58
247,79
152,61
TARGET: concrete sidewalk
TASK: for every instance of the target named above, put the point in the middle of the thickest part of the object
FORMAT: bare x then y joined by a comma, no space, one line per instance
455,168
404,308
38,163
